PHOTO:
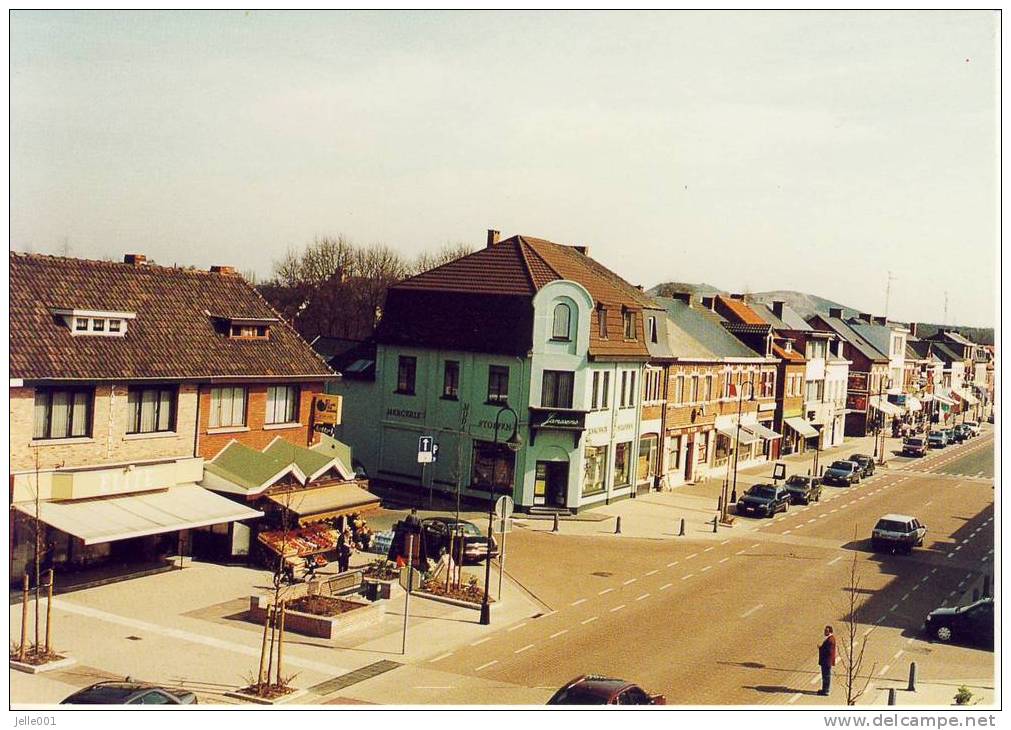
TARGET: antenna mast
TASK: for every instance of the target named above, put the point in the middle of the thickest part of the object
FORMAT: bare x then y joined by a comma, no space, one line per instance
945,309
888,291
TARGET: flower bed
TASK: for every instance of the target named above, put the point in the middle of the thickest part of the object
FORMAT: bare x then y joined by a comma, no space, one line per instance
328,618
322,605
468,593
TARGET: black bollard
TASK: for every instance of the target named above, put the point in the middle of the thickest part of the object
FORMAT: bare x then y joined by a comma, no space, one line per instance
719,504
716,521
554,528
617,526
682,533
891,695
912,677
733,495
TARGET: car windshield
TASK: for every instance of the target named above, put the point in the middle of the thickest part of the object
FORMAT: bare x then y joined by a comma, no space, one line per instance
891,526
579,695
797,480
467,528
762,490
936,434
842,465
914,442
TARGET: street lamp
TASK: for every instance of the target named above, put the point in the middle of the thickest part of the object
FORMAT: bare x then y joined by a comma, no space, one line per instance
881,419
514,443
737,448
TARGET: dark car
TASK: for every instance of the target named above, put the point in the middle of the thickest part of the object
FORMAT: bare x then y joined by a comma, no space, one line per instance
439,530
970,624
897,532
914,446
764,499
842,472
956,435
865,462
130,693
973,428
937,440
593,690
803,489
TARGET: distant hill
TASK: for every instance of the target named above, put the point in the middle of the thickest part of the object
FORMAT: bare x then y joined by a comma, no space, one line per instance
669,287
979,335
806,305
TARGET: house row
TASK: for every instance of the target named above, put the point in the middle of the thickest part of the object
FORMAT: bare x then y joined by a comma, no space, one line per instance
158,411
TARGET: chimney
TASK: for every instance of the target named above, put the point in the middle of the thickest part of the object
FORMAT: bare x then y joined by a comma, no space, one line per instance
912,329
223,270
639,287
492,237
585,250
737,296
883,321
866,317
135,259
684,296
777,308
835,312
709,303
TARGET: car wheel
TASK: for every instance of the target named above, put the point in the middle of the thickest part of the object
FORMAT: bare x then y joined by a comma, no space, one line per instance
943,633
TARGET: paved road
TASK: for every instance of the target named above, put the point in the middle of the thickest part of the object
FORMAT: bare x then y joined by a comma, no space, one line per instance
737,619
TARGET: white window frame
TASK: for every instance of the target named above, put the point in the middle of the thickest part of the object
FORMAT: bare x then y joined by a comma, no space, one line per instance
226,395
289,403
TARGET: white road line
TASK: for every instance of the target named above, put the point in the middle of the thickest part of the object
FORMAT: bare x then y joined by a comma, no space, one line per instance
724,542
630,581
724,560
686,577
835,560
881,620
558,633
481,641
893,607
689,557
440,658
755,545
957,548
644,595
752,610
485,666
589,620
813,519
665,586
442,686
897,654
740,552
653,572
924,579
606,590
708,549
793,699
916,587
953,593
884,670
814,679
905,597
705,569
513,628
671,565
576,603
787,532
951,555
523,649
617,608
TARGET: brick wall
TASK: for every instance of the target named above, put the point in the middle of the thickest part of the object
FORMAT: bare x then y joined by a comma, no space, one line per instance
108,443
256,433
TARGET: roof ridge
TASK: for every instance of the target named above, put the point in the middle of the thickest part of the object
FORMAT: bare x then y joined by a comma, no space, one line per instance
146,266
524,246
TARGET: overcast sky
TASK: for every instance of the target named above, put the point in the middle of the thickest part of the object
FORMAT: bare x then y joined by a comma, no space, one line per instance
752,151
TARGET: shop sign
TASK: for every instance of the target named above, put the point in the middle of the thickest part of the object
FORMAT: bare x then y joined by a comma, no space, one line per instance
326,412
856,402
857,381
404,413
560,420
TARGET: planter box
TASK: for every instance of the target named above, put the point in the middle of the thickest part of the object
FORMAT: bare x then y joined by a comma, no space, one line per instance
452,601
376,588
264,701
40,668
322,627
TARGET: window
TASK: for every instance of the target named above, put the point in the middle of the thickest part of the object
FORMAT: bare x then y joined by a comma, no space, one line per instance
631,389
679,385
594,469
407,367
647,458
674,453
727,375
115,325
498,384
623,464
629,320
652,329
282,404
451,380
248,331
605,392
81,324
695,389
228,407
709,388
560,325
152,410
602,322
556,389
62,413
493,464
98,325
595,391
652,382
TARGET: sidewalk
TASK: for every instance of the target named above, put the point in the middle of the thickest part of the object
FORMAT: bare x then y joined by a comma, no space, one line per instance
930,694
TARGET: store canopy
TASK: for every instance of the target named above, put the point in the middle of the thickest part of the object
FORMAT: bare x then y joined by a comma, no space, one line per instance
939,398
965,395
913,404
802,427
731,433
884,406
763,431
107,519
324,503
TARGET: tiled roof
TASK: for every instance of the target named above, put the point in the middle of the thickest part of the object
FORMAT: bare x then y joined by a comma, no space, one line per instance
791,355
878,335
172,336
741,311
705,327
842,329
508,267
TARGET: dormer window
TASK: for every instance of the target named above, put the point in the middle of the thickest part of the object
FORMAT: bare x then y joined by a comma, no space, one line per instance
81,324
98,325
629,320
249,332
602,322
242,327
88,322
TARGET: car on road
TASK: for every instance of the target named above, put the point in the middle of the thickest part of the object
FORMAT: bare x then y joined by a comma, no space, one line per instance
803,489
764,499
956,435
842,472
897,532
972,624
973,427
130,693
866,464
937,440
439,530
914,446
590,689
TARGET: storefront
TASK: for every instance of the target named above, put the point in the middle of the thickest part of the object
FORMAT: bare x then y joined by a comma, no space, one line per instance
800,432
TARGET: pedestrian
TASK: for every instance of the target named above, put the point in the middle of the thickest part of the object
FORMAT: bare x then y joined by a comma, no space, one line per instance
343,552
826,660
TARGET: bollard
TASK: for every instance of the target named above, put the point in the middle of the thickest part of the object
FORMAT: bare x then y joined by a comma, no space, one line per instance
719,504
733,495
912,677
617,525
891,695
682,533
554,528
716,521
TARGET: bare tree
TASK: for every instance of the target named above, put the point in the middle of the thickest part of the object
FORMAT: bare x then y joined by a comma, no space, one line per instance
854,644
428,260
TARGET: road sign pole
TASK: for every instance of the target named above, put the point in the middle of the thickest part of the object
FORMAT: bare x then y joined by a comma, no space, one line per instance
501,558
407,593
430,496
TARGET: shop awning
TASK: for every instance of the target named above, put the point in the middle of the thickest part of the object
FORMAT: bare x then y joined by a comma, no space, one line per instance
913,404
884,406
107,519
939,398
731,433
801,426
966,396
763,431
323,503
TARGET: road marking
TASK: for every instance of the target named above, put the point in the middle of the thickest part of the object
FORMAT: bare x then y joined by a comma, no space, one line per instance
957,548
558,633
440,658
897,654
814,679
741,552
705,569
689,557
884,670
644,595
708,549
752,610
924,580
724,560
787,532
617,608
671,565
576,603
835,560
881,620
905,597
513,628
630,581
665,586
523,649
606,590
653,572
951,555
793,699
953,593
589,620
915,588
962,582
443,686
481,641
686,577
724,542
755,545
813,519
485,666
834,511
928,503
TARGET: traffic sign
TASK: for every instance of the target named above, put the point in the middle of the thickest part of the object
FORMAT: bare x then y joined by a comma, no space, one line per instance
504,507
504,525
425,449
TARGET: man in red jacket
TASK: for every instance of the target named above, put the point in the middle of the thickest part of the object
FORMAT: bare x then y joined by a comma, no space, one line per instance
826,660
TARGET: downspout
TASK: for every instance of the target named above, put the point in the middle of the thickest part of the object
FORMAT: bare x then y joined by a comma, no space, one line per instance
196,427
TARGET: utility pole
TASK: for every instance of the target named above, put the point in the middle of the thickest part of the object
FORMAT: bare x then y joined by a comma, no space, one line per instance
945,321
888,291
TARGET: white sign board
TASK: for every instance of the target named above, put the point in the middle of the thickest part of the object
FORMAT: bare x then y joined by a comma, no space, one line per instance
504,507
503,525
425,449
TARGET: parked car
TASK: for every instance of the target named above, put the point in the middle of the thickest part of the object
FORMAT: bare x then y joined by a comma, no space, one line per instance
914,446
937,440
130,693
842,472
803,489
439,530
866,464
897,532
949,434
590,689
974,427
971,624
956,435
764,499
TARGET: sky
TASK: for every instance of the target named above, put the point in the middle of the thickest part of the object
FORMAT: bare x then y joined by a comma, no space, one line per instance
814,151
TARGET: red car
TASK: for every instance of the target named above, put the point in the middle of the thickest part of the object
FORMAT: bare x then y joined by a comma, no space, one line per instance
590,689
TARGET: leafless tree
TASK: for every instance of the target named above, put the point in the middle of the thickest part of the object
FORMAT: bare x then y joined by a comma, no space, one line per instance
428,260
854,643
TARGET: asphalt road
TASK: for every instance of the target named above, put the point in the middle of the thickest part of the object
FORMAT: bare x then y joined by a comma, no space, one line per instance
737,619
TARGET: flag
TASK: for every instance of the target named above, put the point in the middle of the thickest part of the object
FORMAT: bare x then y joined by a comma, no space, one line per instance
733,390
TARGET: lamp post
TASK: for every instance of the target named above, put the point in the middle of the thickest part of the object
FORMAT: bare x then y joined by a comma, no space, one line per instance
514,443
737,447
881,419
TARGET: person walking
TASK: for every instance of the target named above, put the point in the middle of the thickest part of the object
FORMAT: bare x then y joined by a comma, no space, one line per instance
827,660
344,552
